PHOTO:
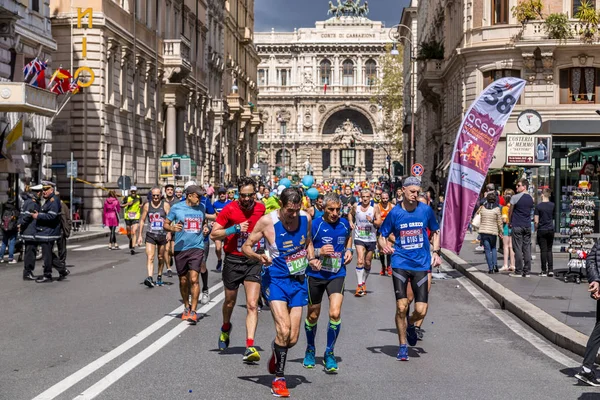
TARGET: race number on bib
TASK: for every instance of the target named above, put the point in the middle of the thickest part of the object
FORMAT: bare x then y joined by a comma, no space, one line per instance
332,263
411,239
131,215
193,224
364,231
156,222
297,262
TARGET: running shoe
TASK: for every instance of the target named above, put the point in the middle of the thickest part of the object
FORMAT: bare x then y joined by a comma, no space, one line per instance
543,273
513,275
185,314
402,353
411,335
550,274
271,365
359,291
504,268
279,388
224,338
389,271
309,358
169,273
364,289
419,333
331,365
382,272
193,318
219,265
13,261
149,282
132,251
587,377
159,281
205,299
251,355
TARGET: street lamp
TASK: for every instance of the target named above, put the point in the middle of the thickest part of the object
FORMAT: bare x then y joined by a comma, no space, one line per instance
282,133
395,36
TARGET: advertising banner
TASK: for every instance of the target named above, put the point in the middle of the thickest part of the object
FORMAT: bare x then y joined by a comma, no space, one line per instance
473,151
166,168
529,150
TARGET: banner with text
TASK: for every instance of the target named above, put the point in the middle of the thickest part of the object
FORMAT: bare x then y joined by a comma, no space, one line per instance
529,150
473,152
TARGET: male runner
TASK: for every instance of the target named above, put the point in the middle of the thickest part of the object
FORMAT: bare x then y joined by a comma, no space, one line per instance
287,234
233,225
316,210
218,206
366,219
384,208
156,238
332,244
132,205
348,202
179,193
171,199
377,197
187,219
411,259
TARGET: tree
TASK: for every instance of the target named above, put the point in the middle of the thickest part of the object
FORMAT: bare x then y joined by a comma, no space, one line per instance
389,97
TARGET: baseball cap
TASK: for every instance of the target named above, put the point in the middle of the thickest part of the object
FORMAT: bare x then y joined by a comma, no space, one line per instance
133,188
189,183
222,190
411,181
194,189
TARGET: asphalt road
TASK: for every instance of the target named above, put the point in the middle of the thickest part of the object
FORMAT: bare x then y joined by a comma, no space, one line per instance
102,334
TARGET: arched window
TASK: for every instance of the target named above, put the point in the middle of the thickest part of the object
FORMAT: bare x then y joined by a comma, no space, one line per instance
325,72
348,73
282,159
371,72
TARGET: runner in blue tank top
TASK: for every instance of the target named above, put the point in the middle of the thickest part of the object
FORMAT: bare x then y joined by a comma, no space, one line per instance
287,234
332,245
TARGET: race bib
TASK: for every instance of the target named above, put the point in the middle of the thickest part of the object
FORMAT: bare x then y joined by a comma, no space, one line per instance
156,222
193,224
411,239
332,263
243,236
131,215
364,231
297,262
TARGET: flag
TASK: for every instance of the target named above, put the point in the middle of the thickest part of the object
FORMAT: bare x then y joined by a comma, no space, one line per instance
39,80
74,87
59,75
58,88
27,69
15,133
473,152
325,89
2,155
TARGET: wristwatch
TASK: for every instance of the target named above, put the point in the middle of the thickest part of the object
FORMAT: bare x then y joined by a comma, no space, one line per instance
438,252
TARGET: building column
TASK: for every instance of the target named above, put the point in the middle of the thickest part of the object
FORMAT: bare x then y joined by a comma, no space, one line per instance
171,147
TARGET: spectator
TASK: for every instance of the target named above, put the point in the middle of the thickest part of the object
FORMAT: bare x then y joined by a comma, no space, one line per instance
509,254
440,208
27,228
489,229
543,219
9,213
519,216
65,231
110,218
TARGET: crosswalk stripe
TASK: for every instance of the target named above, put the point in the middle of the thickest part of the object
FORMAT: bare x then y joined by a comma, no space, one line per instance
94,247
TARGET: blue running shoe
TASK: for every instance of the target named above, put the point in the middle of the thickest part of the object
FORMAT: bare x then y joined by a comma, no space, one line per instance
159,281
411,335
331,366
224,338
402,353
309,358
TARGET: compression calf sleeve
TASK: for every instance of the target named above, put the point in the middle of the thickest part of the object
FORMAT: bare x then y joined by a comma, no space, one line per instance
311,333
280,357
360,274
204,276
333,331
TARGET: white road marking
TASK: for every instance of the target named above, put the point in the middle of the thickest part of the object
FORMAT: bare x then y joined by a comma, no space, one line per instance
142,356
84,372
73,246
517,328
93,247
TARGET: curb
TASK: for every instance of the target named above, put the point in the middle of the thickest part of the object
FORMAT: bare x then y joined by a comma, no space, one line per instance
552,329
88,236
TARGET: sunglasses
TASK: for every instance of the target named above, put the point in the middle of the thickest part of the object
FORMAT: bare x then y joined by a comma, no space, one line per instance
246,195
156,195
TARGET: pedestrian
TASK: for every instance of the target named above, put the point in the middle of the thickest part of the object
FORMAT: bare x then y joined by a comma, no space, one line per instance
9,213
586,373
132,205
509,254
489,229
27,229
66,224
110,218
519,215
440,208
47,225
544,225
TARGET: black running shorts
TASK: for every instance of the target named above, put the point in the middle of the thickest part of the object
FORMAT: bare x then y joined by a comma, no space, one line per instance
317,287
369,246
131,222
238,269
158,240
187,260
418,282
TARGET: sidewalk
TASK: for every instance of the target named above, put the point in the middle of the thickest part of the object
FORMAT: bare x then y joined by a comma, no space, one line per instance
563,312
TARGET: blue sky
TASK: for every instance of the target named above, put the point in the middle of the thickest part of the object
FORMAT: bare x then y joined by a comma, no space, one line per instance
285,15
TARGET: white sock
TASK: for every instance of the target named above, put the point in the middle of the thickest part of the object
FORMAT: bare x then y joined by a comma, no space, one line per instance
586,370
367,272
360,273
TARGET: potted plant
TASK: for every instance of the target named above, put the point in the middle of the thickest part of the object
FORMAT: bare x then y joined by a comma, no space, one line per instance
557,26
588,16
431,50
528,10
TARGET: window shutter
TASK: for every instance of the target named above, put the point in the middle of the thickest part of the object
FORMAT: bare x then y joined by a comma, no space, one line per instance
564,86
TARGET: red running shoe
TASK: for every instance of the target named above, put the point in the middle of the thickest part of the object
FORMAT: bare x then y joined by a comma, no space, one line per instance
279,388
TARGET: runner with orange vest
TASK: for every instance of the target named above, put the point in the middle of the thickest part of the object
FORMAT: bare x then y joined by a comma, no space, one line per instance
384,208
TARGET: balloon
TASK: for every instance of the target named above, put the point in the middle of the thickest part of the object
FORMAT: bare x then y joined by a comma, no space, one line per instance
280,189
312,193
285,182
308,180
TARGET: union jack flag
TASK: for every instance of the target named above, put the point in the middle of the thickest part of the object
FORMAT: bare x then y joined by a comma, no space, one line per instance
74,87
34,67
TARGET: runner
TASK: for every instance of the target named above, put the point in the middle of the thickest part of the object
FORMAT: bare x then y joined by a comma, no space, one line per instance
384,208
187,219
171,199
348,202
233,225
332,244
316,210
287,234
179,193
377,197
132,205
366,219
218,206
156,238
411,259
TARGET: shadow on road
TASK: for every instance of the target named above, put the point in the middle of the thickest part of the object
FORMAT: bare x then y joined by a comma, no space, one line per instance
235,350
392,351
292,381
318,360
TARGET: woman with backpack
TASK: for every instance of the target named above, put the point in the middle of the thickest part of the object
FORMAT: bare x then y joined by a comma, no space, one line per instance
10,215
110,218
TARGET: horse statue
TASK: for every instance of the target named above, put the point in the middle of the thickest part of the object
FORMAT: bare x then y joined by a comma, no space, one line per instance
363,10
348,8
332,9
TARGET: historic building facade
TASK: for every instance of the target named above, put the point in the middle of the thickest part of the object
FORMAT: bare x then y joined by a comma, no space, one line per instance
317,100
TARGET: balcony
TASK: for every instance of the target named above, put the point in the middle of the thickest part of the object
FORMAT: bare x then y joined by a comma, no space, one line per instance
245,35
430,79
176,54
535,31
20,97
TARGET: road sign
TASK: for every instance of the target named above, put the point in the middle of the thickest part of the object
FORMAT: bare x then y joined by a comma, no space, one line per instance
71,169
417,169
124,182
58,166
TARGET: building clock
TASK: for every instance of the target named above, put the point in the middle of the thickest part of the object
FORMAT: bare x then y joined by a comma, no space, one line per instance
529,122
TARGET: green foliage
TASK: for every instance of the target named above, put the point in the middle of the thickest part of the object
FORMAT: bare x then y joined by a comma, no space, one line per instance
432,50
588,16
557,26
528,10
389,97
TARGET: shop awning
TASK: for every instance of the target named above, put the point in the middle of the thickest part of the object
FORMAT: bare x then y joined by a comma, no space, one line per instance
499,158
444,164
584,152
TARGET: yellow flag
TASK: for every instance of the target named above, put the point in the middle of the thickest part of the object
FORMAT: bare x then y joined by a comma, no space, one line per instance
15,134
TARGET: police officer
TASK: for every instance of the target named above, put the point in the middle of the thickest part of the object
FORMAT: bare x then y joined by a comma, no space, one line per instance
27,229
48,231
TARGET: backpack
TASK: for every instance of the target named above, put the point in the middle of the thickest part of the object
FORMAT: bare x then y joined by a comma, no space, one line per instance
10,220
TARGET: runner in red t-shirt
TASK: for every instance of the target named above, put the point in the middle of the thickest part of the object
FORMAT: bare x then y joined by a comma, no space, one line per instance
233,224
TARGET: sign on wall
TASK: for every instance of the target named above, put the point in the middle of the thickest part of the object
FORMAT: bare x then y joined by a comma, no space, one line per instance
166,168
528,150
